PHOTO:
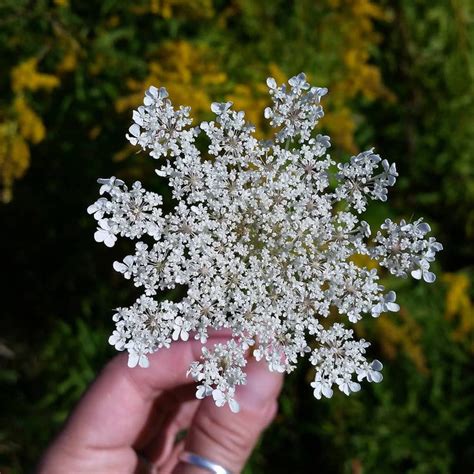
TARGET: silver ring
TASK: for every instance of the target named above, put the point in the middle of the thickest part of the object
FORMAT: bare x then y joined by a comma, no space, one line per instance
204,463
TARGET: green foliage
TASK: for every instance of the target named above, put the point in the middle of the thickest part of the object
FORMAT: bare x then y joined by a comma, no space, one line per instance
430,129
400,75
41,387
412,422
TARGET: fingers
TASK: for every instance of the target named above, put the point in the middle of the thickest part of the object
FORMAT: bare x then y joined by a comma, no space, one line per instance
115,408
111,419
112,415
228,438
173,459
179,414
166,409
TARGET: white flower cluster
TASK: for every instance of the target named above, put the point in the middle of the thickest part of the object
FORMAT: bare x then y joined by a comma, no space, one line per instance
262,238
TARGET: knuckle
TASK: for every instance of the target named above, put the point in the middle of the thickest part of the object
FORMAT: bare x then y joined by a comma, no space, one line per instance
235,437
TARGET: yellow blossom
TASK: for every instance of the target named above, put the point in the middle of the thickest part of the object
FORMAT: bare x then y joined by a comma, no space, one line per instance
402,332
14,158
25,76
354,21
68,62
460,307
341,126
253,100
185,70
30,125
171,8
24,126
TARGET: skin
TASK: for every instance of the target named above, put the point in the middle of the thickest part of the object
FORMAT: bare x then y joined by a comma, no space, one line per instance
128,419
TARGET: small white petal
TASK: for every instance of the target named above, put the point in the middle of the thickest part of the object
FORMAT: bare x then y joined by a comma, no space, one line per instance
344,388
393,307
416,274
132,359
376,377
134,130
137,118
234,406
99,235
119,267
162,93
377,310
268,113
218,397
110,240
322,91
424,227
391,296
216,108
131,139
144,362
271,83
354,386
152,91
258,354
376,365
91,209
201,392
429,277
327,391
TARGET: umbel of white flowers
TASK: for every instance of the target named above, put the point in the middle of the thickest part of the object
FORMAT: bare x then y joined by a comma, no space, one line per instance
262,237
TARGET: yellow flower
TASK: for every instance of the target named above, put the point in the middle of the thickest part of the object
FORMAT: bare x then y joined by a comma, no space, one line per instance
401,333
253,101
30,125
175,8
254,98
14,158
24,125
354,22
460,307
25,76
186,70
68,62
341,126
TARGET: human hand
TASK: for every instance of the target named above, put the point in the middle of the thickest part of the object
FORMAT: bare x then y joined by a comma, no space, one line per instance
128,420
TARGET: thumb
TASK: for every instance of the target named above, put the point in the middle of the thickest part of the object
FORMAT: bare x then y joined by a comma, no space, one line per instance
228,438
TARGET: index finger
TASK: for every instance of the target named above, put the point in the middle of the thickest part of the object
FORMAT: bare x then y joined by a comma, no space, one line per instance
113,411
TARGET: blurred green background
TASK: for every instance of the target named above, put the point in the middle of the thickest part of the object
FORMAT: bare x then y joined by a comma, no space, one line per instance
400,75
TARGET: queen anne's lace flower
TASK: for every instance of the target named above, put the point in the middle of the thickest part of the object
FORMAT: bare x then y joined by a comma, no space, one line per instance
261,240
